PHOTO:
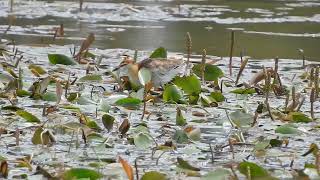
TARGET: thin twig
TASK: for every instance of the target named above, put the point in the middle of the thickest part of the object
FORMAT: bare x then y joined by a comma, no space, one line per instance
231,52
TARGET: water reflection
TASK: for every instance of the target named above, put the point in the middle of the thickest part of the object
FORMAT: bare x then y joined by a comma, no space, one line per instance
270,28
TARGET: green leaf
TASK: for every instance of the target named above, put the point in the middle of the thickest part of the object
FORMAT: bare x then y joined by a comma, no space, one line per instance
218,174
153,175
61,59
108,121
37,68
241,119
10,108
275,142
159,53
93,125
211,73
185,165
180,120
144,75
81,173
50,96
142,141
255,170
104,106
244,91
217,96
181,137
287,129
207,100
131,103
91,77
23,93
298,117
40,137
191,85
27,116
172,93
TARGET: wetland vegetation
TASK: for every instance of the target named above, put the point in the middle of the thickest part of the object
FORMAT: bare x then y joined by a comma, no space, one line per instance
159,90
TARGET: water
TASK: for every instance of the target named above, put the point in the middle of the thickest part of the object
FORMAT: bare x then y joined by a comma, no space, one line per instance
266,29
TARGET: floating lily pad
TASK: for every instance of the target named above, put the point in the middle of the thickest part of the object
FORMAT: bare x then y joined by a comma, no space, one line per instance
211,72
108,121
27,116
61,59
298,117
191,85
91,77
252,168
287,129
159,53
153,175
244,91
172,93
142,141
217,96
81,173
129,102
181,137
218,174
145,76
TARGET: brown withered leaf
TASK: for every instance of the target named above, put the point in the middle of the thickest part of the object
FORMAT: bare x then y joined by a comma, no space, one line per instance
127,168
4,168
259,76
124,127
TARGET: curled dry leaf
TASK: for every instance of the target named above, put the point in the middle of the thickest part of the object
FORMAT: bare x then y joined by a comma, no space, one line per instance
4,168
259,76
127,168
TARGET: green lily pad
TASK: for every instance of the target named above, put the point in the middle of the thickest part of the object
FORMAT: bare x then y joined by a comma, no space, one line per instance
244,91
185,165
191,85
41,137
180,120
172,93
241,119
108,121
217,96
211,72
159,53
91,77
181,137
287,129
142,141
218,174
255,170
144,75
50,96
37,69
23,93
299,117
81,173
27,116
132,103
61,59
153,175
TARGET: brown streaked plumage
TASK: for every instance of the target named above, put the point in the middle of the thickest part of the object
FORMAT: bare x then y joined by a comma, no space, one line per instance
162,70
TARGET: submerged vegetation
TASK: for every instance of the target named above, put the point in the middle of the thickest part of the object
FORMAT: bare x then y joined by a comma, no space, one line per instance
69,112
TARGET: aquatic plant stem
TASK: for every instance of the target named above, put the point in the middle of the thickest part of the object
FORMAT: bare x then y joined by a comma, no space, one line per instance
312,99
203,65
211,151
267,91
144,103
316,82
231,52
136,168
81,4
311,77
188,46
242,66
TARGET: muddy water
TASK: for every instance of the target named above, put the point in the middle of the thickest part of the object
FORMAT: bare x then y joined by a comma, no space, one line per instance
265,28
